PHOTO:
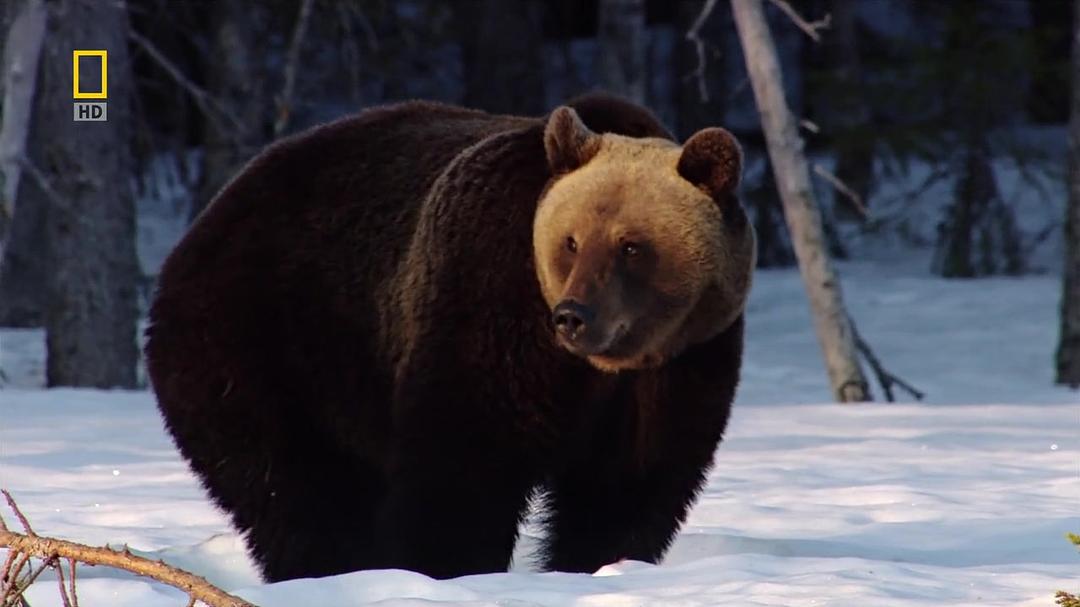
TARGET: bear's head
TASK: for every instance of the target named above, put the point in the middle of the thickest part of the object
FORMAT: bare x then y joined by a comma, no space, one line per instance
642,248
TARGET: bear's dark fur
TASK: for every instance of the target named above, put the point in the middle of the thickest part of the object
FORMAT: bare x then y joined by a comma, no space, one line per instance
351,349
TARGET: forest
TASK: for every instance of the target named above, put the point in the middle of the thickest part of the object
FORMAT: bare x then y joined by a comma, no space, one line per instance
911,172
908,111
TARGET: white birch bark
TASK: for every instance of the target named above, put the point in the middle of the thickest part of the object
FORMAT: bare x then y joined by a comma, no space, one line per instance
22,51
800,208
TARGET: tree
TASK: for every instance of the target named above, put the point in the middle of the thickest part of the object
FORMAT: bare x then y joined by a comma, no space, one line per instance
502,48
977,69
1068,352
22,273
978,235
623,48
846,114
803,216
83,171
236,78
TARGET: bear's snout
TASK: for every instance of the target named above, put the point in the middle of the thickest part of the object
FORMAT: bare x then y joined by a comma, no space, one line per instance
572,319
580,329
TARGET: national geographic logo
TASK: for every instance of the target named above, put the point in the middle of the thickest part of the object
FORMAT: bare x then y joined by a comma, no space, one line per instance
90,110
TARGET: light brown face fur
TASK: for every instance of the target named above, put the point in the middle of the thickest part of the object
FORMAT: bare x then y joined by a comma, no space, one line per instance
642,261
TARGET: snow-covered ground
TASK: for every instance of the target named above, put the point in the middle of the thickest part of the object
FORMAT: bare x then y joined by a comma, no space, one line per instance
961,500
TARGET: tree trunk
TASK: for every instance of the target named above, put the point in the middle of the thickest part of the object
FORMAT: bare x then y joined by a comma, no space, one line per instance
23,269
800,209
236,77
20,67
1068,353
502,57
90,219
978,236
22,273
847,114
623,48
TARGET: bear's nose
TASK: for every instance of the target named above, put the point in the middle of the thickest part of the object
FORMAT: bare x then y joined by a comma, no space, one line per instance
571,318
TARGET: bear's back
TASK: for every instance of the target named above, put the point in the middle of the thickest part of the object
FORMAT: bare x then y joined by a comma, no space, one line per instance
275,284
364,175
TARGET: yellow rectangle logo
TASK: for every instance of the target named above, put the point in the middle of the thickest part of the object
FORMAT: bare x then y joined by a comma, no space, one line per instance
103,89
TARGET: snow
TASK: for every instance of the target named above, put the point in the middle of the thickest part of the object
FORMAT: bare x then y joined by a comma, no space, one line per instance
960,500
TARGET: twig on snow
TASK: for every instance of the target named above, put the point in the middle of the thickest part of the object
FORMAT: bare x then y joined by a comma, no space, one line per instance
886,379
52,551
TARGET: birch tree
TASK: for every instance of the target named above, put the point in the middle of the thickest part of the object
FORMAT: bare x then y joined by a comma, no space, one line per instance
623,48
801,211
1068,352
84,172
22,273
20,65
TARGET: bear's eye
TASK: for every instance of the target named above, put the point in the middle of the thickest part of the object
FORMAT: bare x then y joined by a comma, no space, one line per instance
630,249
571,244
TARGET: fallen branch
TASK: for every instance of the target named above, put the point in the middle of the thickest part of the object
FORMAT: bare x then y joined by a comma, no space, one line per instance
810,27
52,551
694,36
886,379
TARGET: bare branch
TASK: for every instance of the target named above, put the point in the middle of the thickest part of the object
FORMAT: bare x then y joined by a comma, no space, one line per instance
851,195
11,578
886,379
64,598
74,595
809,27
285,100
18,513
694,36
206,102
51,550
15,587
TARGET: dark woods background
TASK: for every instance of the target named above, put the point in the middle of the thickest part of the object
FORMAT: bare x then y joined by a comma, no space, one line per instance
913,91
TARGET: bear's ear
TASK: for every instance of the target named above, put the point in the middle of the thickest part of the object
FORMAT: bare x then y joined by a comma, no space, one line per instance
712,160
567,141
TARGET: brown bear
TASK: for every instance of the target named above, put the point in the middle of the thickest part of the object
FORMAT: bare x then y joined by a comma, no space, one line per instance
389,332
